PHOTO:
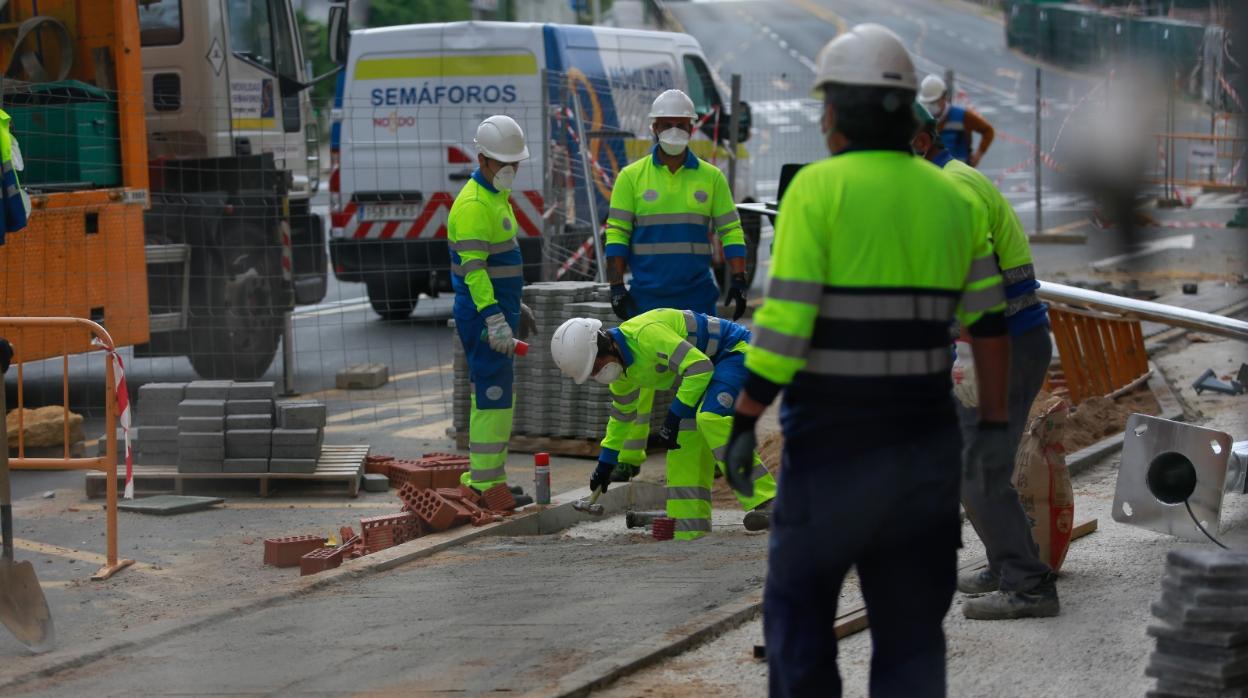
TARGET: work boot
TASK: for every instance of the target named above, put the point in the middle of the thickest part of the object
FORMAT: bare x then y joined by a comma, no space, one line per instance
1040,602
624,472
758,518
978,582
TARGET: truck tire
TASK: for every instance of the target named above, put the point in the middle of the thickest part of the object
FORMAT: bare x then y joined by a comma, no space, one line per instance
392,296
234,330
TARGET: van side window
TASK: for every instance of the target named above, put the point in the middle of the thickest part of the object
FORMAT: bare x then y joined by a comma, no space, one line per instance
701,87
160,23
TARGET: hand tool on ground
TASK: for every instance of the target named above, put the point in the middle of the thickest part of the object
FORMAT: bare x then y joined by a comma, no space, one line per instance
590,506
23,608
641,519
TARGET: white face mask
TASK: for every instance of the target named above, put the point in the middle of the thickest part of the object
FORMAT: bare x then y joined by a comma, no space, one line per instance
504,178
607,374
936,110
673,141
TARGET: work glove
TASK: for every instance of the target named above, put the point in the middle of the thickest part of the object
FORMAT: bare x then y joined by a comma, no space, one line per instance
528,322
601,477
621,301
736,294
965,388
990,449
739,465
6,356
670,431
498,334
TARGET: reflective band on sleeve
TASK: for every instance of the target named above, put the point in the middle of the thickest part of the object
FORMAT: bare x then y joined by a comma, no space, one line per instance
469,266
673,248
487,474
982,268
673,218
504,272
703,525
620,214
760,471
721,453
682,350
699,367
852,306
689,493
846,362
1013,305
982,300
690,424
796,291
470,246
487,447
1027,272
721,221
634,445
779,343
691,322
712,346
627,398
621,415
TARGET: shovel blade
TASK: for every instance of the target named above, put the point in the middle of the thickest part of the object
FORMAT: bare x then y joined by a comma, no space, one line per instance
23,608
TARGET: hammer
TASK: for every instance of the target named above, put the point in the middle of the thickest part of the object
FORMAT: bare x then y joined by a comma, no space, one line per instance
589,506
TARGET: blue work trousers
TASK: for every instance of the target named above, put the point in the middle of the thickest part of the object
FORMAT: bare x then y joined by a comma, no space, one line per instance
888,507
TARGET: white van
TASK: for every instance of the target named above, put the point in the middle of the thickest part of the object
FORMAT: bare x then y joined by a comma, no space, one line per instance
407,107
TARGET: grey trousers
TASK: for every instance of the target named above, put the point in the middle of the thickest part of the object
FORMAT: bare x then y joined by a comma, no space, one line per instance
992,506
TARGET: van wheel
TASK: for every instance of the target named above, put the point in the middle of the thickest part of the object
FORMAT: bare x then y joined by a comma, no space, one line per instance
392,297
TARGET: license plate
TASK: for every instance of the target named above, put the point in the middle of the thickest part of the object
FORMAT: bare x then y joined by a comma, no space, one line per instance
389,212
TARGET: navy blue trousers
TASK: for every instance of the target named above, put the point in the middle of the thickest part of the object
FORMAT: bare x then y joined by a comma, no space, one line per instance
888,507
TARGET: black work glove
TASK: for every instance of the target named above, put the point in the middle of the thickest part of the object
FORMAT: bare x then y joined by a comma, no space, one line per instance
739,467
601,477
6,355
670,431
989,450
736,294
621,301
528,322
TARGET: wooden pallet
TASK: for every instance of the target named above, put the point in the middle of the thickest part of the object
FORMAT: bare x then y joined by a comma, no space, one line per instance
338,465
556,446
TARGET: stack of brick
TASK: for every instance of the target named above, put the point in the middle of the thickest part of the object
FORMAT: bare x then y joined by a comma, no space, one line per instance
298,437
431,470
248,427
201,427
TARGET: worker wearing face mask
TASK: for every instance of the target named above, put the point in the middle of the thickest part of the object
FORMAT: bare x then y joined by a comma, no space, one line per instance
487,275
957,125
664,208
653,351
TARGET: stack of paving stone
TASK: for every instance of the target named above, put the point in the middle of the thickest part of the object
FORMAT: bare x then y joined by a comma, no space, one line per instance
298,437
155,440
1202,647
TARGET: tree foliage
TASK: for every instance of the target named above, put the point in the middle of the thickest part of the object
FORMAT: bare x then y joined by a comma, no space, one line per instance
387,13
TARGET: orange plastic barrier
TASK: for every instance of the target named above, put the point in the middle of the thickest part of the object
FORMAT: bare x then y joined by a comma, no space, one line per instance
1100,355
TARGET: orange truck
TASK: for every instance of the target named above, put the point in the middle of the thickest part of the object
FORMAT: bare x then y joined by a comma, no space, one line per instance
170,153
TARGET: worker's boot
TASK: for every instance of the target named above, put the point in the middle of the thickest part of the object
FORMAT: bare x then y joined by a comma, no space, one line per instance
624,472
517,493
1040,602
758,518
978,582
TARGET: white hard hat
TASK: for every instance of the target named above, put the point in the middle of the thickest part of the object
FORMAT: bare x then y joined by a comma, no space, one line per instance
574,347
673,104
932,89
499,137
868,55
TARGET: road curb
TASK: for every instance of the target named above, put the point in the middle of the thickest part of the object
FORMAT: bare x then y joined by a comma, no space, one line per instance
558,516
640,655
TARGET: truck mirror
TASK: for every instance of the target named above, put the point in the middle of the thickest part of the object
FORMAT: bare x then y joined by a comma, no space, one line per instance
339,33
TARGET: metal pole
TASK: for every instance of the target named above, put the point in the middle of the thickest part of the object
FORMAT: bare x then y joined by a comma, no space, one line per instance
734,125
1039,166
600,258
1134,309
949,85
288,354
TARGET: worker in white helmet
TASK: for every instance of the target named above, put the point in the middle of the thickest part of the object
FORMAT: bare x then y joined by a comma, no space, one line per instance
663,210
956,125
487,274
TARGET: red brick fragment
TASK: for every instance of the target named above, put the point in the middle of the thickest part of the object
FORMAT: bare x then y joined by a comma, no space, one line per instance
381,532
499,498
434,512
449,493
320,560
378,465
345,533
470,494
446,475
405,471
285,552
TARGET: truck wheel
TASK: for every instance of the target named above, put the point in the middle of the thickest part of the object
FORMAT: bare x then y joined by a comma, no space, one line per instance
234,333
392,297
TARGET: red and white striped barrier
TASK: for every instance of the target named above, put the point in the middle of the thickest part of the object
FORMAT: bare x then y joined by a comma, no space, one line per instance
123,409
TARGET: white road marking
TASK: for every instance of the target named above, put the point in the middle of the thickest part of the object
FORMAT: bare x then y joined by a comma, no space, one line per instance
1178,242
331,304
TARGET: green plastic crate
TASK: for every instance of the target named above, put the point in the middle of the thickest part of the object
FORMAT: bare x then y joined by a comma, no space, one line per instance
68,135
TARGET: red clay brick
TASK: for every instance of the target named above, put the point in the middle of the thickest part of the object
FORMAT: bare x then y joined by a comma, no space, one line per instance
379,465
381,532
434,512
470,494
345,533
446,475
405,471
499,498
320,560
285,552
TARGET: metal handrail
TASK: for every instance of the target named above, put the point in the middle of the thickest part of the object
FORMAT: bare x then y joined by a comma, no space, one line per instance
1134,309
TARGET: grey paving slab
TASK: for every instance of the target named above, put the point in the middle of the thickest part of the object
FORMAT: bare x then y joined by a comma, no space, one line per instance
168,504
201,408
257,390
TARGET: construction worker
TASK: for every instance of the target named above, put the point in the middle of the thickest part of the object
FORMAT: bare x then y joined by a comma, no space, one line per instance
1017,583
487,275
876,254
16,203
652,351
663,208
956,125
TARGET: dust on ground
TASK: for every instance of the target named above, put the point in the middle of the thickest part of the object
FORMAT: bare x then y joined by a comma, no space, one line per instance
1097,418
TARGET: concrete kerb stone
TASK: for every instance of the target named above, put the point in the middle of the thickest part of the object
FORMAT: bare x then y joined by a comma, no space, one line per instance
558,516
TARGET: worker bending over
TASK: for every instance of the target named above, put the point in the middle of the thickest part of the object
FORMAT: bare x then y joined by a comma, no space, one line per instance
1017,583
876,254
663,210
487,274
956,125
652,351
